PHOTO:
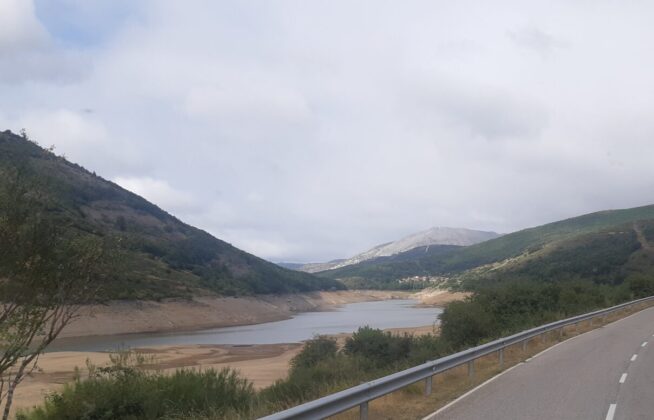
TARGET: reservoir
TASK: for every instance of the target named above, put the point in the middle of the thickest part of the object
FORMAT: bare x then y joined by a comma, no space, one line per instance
395,313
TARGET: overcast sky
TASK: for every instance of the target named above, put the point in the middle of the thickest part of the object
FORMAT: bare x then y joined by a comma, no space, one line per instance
310,130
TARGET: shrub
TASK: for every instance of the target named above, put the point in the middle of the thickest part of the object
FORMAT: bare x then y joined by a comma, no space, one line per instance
382,348
126,391
314,351
466,323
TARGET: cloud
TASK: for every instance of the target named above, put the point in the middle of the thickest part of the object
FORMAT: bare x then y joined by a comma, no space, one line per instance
479,111
79,135
314,130
28,52
19,27
160,193
535,39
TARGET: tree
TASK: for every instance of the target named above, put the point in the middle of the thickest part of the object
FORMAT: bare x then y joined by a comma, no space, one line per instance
47,270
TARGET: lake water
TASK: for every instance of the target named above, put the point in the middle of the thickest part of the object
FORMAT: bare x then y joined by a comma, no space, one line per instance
348,318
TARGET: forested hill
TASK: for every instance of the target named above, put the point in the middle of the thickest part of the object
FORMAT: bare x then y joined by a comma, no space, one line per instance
606,246
157,255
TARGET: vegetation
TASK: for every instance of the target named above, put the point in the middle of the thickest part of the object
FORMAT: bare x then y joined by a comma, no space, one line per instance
160,256
321,368
125,390
47,268
494,310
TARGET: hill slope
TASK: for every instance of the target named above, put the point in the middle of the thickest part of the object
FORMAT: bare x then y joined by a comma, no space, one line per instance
596,246
159,256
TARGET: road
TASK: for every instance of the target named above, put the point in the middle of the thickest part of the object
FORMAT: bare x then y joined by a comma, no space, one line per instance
605,374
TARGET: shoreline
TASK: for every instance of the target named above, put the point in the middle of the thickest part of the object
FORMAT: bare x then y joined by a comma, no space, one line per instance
199,313
262,364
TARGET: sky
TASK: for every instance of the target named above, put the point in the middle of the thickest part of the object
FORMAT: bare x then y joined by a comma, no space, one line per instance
310,130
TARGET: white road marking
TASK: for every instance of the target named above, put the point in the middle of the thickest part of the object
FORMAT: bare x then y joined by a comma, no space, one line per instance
611,412
644,344
451,403
623,378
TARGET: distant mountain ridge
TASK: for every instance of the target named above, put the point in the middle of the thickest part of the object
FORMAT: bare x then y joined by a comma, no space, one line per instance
605,247
434,236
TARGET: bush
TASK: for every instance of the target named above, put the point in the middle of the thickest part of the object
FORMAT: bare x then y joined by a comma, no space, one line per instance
640,285
382,348
506,307
314,351
326,376
125,391
320,369
466,323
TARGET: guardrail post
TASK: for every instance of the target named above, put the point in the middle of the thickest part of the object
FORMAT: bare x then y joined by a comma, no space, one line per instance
524,345
576,327
428,381
363,411
561,333
501,356
471,369
591,322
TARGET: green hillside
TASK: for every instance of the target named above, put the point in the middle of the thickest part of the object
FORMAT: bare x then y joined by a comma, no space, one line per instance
158,255
533,239
384,272
602,246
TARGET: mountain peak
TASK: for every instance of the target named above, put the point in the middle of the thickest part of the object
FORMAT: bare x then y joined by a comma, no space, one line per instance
437,235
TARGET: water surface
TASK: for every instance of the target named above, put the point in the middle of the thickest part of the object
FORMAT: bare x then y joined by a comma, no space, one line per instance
348,318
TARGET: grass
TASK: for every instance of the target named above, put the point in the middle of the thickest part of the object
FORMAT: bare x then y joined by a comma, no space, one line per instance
411,403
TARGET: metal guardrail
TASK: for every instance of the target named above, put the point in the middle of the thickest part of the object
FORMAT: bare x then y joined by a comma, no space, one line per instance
360,395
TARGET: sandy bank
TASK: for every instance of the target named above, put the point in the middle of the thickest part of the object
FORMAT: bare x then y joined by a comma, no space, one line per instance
438,297
124,317
261,364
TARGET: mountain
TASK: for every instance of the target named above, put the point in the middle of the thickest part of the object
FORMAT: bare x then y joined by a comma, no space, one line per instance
606,246
434,236
311,267
158,256
290,266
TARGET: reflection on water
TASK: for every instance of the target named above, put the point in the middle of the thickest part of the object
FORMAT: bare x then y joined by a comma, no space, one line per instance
383,314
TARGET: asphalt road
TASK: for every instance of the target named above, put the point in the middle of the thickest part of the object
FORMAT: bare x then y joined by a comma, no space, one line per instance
606,374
